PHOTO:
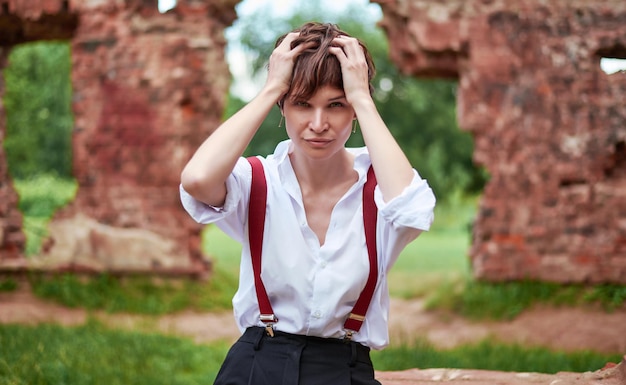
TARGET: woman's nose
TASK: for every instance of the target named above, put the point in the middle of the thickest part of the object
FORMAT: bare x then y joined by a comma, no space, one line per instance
318,121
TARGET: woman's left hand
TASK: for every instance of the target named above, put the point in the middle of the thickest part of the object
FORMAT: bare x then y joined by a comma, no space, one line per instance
393,170
354,67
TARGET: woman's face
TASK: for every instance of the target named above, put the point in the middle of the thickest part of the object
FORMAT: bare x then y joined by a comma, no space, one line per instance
320,126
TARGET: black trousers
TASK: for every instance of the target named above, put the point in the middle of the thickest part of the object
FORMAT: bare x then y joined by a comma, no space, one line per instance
287,359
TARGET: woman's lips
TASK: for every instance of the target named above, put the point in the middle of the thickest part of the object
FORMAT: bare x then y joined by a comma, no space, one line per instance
318,142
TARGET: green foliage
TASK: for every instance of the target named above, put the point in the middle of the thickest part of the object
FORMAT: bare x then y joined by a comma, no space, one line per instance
38,138
489,355
141,295
41,196
38,107
506,300
421,113
609,295
91,354
7,284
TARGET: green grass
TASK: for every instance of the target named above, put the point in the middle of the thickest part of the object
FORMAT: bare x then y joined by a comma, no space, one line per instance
223,250
91,354
433,258
40,197
141,295
506,300
94,354
490,355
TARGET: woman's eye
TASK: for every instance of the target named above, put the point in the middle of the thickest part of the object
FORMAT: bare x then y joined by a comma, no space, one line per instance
301,104
336,104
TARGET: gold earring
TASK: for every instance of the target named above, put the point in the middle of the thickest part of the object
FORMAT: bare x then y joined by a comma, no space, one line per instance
354,124
280,122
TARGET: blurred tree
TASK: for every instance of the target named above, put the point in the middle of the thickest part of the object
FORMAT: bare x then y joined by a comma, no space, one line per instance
37,101
421,113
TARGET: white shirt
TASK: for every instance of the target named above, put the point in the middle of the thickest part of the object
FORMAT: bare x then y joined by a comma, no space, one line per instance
313,288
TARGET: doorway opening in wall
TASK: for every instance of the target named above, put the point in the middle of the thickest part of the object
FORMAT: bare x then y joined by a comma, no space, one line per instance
38,143
420,113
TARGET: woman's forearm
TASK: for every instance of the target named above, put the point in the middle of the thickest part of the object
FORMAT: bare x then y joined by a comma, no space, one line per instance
205,174
393,169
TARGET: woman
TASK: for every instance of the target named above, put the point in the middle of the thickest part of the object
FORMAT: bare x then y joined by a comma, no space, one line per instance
315,264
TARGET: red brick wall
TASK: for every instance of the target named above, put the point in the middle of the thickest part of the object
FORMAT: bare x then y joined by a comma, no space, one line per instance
548,125
148,88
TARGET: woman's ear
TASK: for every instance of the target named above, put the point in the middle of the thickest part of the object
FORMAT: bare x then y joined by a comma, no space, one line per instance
281,103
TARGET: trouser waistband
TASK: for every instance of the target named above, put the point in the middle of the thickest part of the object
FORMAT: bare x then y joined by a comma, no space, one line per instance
356,351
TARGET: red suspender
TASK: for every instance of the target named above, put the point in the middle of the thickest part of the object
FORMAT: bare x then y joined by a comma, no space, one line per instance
370,213
256,226
256,222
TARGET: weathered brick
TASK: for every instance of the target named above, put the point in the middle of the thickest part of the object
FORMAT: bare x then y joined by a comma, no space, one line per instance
148,88
548,125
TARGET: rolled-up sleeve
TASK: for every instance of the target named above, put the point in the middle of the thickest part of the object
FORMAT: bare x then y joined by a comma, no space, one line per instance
203,213
413,208
237,190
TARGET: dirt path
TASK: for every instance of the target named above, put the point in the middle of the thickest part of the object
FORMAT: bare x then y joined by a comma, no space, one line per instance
567,329
557,328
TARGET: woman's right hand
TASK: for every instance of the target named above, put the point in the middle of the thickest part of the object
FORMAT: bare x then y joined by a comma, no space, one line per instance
281,63
204,176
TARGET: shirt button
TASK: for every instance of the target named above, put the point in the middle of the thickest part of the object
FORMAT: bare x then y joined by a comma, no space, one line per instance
317,314
324,264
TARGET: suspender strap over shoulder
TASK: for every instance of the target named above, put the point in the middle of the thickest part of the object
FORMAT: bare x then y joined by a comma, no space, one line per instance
370,214
256,226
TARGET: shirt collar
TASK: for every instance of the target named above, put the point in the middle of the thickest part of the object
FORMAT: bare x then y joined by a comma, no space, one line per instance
281,156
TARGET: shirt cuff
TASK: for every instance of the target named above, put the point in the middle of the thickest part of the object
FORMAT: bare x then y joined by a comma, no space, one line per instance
414,207
204,213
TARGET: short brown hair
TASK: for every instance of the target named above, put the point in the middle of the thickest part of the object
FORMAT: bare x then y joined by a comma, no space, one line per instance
316,67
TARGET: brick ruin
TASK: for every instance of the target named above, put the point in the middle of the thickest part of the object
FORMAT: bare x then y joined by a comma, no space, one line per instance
148,88
549,126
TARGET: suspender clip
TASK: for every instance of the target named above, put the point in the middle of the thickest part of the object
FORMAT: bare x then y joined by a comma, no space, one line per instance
356,317
269,320
352,325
